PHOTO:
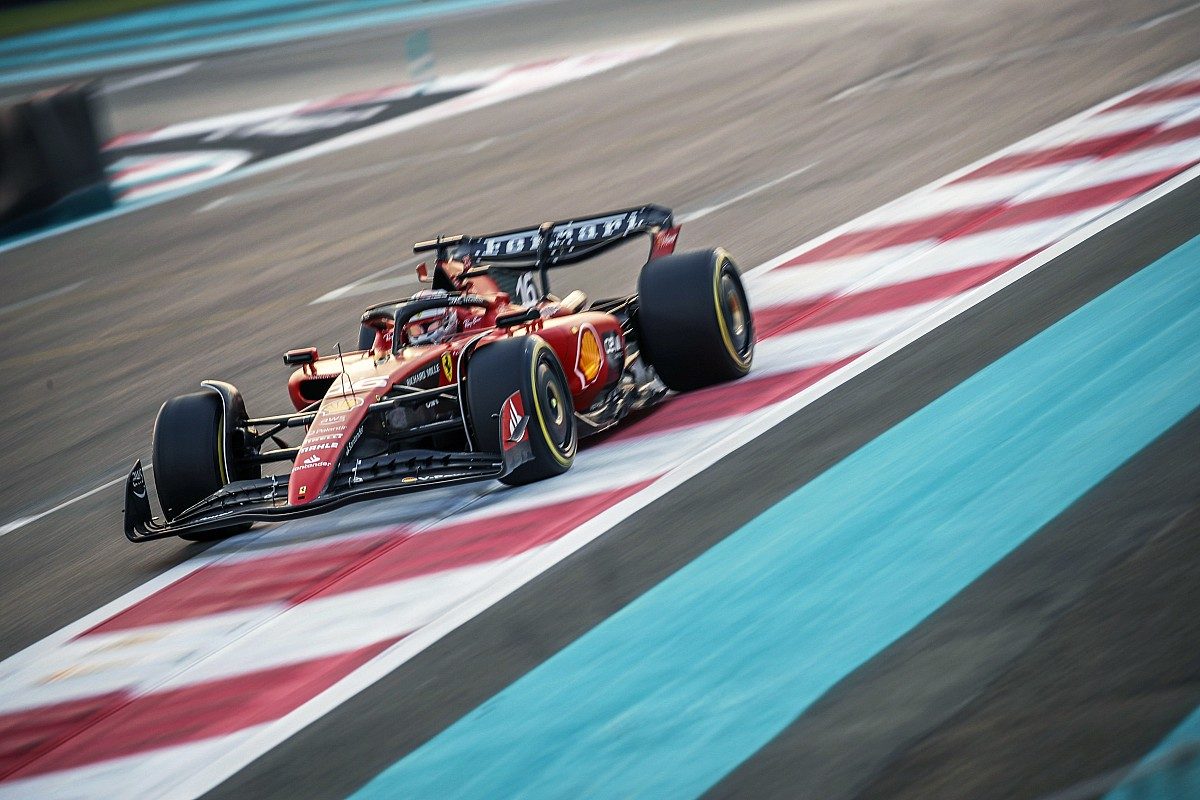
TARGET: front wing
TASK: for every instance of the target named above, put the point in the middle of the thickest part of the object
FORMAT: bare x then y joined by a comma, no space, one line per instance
265,499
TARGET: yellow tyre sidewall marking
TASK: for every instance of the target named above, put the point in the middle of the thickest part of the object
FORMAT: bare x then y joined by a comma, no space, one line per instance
537,406
221,447
721,258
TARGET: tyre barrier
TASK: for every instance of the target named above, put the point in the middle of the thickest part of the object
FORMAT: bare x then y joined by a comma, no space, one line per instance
51,170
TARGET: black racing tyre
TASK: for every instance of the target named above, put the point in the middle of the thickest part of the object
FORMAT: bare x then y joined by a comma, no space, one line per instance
694,322
187,457
529,365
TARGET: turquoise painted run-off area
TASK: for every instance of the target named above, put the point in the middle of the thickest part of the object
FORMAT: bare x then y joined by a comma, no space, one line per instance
1170,771
200,29
669,695
167,16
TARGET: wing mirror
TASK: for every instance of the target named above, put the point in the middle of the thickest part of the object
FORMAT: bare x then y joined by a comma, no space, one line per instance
517,317
301,355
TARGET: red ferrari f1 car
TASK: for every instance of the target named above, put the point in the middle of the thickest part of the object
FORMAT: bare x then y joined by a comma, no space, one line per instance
484,375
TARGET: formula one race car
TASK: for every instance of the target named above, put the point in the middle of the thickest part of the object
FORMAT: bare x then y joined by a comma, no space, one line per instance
484,375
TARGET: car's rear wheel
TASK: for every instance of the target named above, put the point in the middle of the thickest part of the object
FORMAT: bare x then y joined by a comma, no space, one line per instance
529,366
694,320
188,458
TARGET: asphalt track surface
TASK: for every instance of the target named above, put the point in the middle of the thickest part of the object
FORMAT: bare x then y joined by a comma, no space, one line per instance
173,294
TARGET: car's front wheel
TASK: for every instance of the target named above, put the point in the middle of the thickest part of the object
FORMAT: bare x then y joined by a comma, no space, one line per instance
528,366
189,464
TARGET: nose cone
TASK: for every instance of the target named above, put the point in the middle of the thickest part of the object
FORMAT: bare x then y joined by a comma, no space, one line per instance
345,406
335,423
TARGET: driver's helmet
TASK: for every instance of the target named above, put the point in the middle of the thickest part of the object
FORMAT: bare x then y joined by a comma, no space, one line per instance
433,326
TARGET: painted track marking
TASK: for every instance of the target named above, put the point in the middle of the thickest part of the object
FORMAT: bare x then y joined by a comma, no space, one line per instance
907,75
112,87
372,282
691,216
29,301
21,522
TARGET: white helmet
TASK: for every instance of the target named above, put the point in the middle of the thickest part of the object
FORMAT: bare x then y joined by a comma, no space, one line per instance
433,326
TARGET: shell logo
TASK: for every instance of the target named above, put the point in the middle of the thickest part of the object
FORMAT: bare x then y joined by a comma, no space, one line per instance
587,363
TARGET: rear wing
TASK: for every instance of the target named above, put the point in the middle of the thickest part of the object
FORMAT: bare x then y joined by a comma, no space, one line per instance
557,244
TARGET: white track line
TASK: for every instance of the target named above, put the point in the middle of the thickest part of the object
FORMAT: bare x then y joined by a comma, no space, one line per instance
9,527
17,306
368,288
149,77
1167,17
691,216
903,75
372,279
